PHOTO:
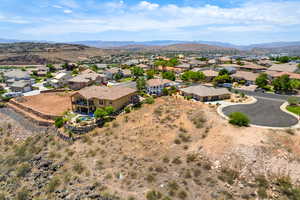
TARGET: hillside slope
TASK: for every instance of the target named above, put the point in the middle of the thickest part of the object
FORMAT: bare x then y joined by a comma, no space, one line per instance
173,149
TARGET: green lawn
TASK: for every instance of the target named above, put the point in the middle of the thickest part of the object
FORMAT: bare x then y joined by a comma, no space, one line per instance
294,109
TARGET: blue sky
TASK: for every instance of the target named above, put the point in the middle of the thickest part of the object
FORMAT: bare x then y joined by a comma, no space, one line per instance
235,21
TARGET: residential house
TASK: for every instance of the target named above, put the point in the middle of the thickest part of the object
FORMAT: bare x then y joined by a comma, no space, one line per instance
251,67
21,86
16,75
84,80
286,67
210,74
60,80
88,99
156,86
205,93
249,77
112,72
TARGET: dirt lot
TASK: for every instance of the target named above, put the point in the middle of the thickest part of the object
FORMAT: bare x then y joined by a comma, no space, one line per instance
173,149
48,103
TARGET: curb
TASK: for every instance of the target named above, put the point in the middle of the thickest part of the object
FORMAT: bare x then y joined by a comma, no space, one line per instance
282,107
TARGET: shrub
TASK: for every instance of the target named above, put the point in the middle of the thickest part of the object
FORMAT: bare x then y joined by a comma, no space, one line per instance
78,167
239,119
23,194
149,100
153,195
293,101
53,184
23,169
59,122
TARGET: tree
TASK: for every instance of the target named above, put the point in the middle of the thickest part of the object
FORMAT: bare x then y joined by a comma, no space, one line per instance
262,80
118,76
100,113
137,72
51,67
59,122
109,110
295,84
222,79
94,68
150,74
223,72
169,75
239,119
141,84
194,76
282,83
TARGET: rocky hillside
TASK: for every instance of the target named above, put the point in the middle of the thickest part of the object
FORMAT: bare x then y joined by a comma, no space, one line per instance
42,53
173,149
188,47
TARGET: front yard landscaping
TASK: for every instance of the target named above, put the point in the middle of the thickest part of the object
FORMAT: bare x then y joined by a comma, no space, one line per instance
294,109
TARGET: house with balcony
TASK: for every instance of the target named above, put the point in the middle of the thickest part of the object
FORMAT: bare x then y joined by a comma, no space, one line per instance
88,99
156,86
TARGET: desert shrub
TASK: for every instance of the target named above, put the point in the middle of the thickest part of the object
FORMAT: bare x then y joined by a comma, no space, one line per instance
23,169
59,122
177,161
78,167
149,100
290,131
262,184
239,119
150,178
198,121
53,184
23,194
287,189
153,195
182,195
228,175
2,196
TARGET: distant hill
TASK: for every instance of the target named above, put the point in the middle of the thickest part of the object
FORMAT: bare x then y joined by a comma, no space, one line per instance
110,44
41,53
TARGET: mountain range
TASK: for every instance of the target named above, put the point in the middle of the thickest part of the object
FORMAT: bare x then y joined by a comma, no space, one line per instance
119,44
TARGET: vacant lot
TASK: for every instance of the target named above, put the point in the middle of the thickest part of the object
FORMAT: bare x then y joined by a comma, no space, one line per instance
48,103
173,149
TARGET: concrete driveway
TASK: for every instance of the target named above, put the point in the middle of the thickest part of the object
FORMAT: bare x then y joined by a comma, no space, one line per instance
265,112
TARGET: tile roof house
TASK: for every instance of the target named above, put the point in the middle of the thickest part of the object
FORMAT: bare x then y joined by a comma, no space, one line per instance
60,79
205,93
21,86
88,99
84,80
210,74
156,86
250,77
287,67
16,75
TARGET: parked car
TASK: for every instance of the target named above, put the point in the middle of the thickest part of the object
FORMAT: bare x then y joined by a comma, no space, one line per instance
12,94
260,90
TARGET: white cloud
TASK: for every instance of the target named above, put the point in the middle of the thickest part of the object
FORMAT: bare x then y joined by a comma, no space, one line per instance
68,11
57,6
147,16
147,5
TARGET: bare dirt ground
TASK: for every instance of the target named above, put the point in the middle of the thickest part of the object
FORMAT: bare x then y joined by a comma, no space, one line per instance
173,149
48,103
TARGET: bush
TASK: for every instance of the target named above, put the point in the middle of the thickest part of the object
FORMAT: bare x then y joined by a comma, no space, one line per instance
239,119
59,122
153,195
53,184
23,194
23,170
293,101
149,100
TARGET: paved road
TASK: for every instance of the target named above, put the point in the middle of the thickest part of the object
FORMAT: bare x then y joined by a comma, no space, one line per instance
265,112
264,95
